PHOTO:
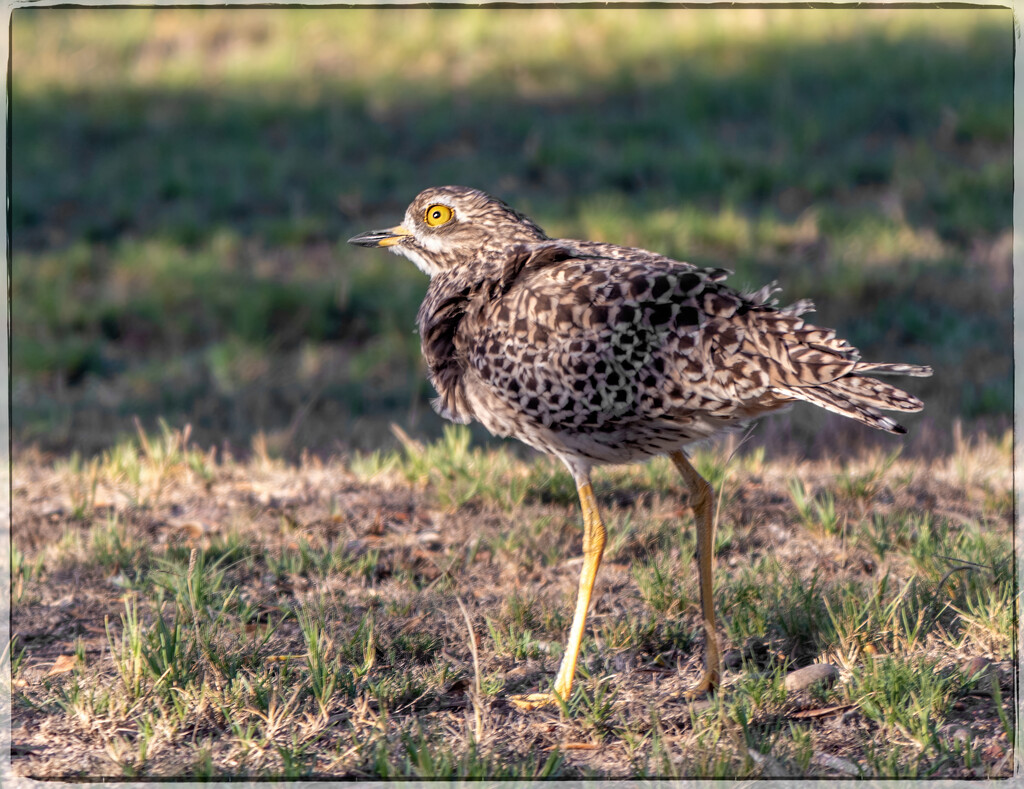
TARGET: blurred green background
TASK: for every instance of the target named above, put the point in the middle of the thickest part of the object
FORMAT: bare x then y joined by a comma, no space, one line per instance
183,182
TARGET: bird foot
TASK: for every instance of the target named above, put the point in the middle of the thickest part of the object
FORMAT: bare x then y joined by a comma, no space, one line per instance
534,701
707,685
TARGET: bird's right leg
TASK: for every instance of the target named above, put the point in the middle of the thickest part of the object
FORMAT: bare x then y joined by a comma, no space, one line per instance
593,549
701,499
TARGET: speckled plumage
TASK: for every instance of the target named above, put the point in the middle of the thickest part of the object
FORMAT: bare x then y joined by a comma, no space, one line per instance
612,354
598,353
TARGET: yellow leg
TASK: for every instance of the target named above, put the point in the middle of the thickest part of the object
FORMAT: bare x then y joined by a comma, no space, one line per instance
701,499
593,548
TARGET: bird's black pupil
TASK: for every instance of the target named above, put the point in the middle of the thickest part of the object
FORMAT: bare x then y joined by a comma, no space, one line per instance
437,214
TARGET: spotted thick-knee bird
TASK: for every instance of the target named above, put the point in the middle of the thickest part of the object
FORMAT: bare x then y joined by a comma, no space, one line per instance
598,353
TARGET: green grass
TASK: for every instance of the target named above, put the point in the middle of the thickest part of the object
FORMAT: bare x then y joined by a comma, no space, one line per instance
323,634
183,181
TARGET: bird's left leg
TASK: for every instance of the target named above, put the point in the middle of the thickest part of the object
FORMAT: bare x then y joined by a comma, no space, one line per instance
701,499
593,549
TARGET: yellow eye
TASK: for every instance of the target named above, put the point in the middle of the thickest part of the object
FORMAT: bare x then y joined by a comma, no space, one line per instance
437,215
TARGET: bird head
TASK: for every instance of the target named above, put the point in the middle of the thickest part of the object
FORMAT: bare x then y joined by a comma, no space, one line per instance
450,226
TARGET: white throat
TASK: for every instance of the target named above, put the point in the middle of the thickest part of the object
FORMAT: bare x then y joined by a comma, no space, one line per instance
421,262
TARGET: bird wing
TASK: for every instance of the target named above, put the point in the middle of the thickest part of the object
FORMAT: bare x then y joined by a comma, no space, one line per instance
581,341
575,339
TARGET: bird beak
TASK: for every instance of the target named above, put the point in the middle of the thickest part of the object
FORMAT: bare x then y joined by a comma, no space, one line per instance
380,238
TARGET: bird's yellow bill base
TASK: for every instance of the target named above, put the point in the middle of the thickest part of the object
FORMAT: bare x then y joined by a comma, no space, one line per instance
397,233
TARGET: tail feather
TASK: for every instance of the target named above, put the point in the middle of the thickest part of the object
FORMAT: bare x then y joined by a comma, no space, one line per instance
806,362
861,397
881,368
838,402
879,394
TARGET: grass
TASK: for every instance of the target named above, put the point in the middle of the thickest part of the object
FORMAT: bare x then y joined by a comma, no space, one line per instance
183,181
193,652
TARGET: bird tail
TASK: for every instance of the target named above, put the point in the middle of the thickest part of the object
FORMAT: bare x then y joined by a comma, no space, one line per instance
805,362
881,368
861,397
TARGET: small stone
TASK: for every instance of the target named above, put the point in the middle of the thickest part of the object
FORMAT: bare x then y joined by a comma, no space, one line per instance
804,678
955,732
836,763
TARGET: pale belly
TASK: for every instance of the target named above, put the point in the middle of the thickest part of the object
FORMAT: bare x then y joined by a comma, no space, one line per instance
623,440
